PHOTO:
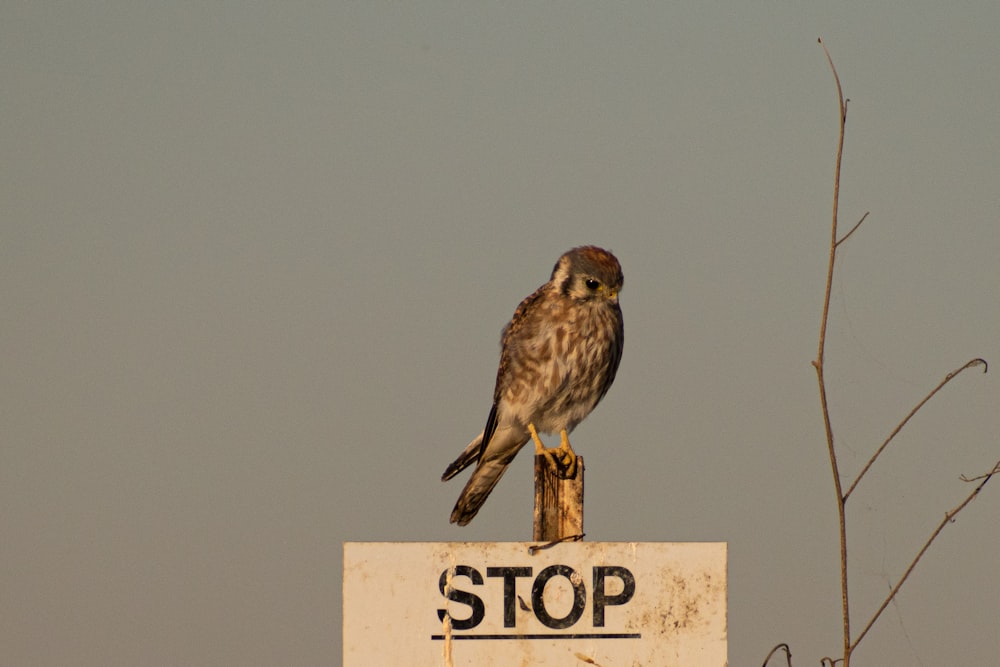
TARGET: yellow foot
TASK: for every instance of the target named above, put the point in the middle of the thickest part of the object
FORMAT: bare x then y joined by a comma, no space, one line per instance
562,459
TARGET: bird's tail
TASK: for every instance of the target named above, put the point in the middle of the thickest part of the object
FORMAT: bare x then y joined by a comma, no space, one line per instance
492,462
465,459
477,489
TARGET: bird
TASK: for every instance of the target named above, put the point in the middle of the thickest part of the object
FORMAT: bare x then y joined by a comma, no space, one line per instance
559,355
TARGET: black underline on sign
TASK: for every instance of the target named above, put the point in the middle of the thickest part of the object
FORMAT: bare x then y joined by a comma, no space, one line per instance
585,635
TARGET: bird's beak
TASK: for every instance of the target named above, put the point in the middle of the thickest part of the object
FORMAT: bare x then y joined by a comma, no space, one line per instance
613,295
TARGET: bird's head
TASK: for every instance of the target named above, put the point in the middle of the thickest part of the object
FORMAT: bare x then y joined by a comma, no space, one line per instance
588,273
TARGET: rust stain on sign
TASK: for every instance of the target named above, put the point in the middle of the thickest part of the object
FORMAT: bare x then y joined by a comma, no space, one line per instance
685,599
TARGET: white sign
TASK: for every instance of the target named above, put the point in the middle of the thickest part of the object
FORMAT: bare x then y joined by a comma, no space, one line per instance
481,604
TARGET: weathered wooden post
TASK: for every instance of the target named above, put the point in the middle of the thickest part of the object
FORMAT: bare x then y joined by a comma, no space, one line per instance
558,503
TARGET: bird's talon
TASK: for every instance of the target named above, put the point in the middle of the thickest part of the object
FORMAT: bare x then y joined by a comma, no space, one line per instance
561,462
571,465
550,458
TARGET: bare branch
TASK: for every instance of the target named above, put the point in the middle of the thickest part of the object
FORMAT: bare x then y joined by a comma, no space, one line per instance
818,365
848,234
948,518
948,378
833,230
780,647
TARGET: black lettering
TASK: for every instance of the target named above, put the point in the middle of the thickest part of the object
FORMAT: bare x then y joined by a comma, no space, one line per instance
601,598
509,575
462,597
579,596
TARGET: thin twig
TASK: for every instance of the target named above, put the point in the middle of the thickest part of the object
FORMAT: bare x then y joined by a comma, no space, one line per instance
848,234
779,647
948,378
833,232
818,364
966,478
948,518
548,545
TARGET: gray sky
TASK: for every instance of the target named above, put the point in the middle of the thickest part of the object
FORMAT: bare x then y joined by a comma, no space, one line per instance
255,259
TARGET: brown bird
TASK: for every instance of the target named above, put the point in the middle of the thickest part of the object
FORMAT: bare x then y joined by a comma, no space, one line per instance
559,355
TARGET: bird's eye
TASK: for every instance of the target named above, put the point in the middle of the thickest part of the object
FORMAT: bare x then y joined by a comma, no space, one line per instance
592,284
